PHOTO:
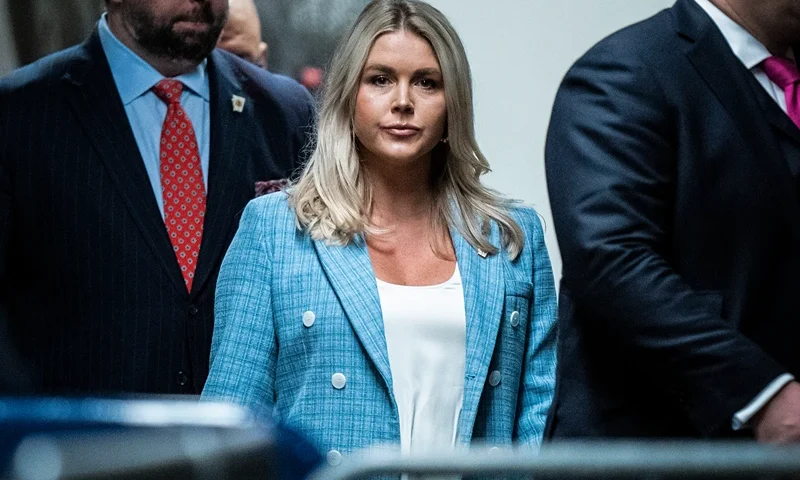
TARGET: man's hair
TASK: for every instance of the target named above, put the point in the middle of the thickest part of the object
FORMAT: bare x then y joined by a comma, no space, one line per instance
332,199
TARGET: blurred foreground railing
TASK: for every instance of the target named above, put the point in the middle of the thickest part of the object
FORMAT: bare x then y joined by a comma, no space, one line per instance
149,438
695,460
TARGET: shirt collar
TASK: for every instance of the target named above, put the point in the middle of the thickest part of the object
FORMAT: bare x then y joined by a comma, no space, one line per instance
134,77
750,51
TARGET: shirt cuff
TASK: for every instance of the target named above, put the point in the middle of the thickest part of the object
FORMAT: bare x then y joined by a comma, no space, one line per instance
742,418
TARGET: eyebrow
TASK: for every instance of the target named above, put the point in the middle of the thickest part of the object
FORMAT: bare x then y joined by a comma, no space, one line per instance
390,70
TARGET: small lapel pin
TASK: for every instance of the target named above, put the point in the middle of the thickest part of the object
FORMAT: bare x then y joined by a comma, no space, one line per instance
238,103
482,253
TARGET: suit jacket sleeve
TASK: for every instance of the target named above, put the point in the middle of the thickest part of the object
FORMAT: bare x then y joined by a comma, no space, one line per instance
5,239
5,201
611,168
539,367
14,377
243,347
307,132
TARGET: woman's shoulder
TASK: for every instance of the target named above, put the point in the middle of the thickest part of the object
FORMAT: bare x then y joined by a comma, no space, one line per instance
276,203
528,219
272,210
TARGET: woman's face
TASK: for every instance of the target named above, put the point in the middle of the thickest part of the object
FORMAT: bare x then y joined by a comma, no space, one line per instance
400,106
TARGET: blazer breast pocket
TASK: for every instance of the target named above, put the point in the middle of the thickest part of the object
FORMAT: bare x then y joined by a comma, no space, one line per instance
517,288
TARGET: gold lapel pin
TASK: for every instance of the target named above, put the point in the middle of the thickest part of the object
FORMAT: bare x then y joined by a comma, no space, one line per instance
238,103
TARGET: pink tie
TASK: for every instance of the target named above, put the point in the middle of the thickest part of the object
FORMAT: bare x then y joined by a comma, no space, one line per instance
783,72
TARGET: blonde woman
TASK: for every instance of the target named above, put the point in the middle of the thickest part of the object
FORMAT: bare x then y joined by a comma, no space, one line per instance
388,296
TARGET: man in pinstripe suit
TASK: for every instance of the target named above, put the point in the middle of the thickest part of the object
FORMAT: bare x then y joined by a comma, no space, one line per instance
100,295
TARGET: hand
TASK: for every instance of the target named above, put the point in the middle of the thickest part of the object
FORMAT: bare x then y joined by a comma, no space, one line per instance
779,420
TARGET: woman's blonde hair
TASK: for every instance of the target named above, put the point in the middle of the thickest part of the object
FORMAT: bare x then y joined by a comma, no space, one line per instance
332,199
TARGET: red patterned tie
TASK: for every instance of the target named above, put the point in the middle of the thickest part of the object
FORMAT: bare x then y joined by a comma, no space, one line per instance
182,185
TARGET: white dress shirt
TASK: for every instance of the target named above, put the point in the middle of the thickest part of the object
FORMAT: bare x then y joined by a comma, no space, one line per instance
751,53
426,335
134,79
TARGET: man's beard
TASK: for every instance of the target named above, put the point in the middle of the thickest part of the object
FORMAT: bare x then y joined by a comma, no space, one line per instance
161,40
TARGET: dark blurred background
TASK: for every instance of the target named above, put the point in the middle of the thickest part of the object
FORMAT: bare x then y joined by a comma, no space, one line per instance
300,33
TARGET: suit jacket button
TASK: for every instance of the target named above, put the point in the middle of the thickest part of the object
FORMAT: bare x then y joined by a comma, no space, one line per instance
181,379
308,319
338,380
494,378
334,457
515,319
192,310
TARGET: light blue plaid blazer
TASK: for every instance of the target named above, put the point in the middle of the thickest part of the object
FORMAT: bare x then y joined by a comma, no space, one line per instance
264,357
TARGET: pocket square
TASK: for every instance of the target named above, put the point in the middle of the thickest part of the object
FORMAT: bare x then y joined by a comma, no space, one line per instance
268,186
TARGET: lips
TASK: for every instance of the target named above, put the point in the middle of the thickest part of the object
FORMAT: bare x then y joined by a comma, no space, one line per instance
193,23
401,130
202,16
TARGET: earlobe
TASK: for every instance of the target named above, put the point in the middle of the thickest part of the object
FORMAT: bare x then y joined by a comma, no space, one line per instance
263,54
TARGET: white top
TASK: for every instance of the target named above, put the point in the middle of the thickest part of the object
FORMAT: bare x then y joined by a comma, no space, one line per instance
426,335
751,53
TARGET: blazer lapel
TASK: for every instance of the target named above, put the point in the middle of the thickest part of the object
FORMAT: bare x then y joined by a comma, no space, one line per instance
735,88
349,271
227,163
780,120
484,290
92,93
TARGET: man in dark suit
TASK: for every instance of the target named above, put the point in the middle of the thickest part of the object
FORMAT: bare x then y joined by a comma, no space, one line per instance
673,165
123,164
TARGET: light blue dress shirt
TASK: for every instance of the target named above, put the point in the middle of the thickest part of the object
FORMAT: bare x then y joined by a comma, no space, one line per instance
146,112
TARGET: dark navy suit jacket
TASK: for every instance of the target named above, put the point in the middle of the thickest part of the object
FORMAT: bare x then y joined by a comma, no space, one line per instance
88,278
674,184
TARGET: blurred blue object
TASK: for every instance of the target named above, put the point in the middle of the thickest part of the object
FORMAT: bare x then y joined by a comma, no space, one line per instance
52,438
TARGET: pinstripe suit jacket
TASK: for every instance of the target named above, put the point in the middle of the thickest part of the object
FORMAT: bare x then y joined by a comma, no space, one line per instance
94,296
263,356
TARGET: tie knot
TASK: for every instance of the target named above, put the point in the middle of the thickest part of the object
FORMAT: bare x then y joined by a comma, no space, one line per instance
781,70
168,90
